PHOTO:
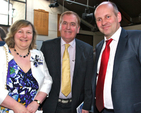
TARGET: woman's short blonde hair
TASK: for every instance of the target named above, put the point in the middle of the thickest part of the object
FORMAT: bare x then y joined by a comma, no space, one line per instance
14,28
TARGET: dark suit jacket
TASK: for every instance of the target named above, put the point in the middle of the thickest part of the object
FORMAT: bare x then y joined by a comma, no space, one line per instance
82,77
126,81
2,43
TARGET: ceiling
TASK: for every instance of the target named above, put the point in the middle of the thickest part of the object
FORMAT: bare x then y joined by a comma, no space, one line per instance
130,10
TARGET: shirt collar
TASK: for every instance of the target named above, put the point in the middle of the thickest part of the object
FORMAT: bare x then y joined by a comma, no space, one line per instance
72,43
115,36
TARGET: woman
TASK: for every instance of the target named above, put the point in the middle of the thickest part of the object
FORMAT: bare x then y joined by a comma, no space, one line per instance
24,78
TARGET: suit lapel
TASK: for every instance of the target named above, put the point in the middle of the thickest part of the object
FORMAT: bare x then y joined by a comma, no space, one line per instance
98,50
120,51
79,52
57,61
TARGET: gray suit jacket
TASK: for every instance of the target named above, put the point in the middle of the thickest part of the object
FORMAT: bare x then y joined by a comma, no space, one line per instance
126,80
83,72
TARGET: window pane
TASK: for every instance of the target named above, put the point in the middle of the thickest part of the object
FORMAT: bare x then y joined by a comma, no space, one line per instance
20,0
3,7
18,11
4,12
3,19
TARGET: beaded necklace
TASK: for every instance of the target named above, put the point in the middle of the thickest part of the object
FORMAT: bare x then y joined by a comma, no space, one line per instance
21,55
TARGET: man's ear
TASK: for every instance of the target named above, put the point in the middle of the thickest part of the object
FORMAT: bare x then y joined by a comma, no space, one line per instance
119,17
59,27
78,29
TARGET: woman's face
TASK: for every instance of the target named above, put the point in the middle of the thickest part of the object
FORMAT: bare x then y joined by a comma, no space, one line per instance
23,37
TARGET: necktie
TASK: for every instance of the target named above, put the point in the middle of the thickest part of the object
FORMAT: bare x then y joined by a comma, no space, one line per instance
101,77
66,82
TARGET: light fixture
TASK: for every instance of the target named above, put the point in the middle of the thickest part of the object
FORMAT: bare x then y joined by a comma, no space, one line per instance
87,14
55,4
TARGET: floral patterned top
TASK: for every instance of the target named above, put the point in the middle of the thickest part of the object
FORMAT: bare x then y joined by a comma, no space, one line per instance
21,86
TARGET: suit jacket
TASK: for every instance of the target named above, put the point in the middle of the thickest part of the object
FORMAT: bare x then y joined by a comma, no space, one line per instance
81,87
126,80
2,43
40,73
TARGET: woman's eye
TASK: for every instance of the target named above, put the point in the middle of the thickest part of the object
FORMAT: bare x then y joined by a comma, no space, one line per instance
19,31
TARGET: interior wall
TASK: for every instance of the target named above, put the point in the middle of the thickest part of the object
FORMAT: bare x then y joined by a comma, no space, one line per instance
53,12
135,27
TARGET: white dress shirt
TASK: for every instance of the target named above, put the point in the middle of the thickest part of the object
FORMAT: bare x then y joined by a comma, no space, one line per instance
109,73
71,50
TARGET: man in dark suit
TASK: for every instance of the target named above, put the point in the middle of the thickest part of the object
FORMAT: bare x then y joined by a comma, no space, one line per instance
2,36
122,84
81,68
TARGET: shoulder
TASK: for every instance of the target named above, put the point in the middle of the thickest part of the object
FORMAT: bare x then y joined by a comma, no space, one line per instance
83,44
2,51
51,41
131,33
2,48
100,43
133,36
36,52
2,43
50,45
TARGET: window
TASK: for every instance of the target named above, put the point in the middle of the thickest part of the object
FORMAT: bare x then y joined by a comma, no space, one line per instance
12,10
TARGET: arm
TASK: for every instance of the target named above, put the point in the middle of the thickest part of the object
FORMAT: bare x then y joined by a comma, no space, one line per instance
10,103
88,80
33,106
41,73
44,82
47,83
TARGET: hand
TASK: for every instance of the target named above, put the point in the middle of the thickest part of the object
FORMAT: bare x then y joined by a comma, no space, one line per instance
20,109
32,107
85,111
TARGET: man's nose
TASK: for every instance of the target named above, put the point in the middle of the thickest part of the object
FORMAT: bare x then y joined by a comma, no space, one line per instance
68,26
104,21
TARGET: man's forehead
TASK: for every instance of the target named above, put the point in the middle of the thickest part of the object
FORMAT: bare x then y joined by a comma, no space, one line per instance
71,19
103,7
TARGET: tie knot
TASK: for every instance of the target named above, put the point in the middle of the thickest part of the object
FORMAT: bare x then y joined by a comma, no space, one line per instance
108,42
67,45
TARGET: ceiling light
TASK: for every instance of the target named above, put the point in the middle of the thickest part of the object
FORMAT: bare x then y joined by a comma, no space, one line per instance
55,4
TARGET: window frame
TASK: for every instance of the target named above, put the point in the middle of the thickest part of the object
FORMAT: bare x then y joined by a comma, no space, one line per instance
8,15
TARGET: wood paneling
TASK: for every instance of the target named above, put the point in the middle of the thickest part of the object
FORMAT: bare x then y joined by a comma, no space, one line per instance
58,32
41,21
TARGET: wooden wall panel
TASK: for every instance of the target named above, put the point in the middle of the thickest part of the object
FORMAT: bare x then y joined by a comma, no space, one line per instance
41,21
58,32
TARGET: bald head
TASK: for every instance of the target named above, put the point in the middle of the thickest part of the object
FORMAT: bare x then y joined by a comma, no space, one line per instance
107,18
110,4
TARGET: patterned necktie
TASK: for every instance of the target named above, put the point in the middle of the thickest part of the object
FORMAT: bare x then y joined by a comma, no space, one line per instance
101,77
66,81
